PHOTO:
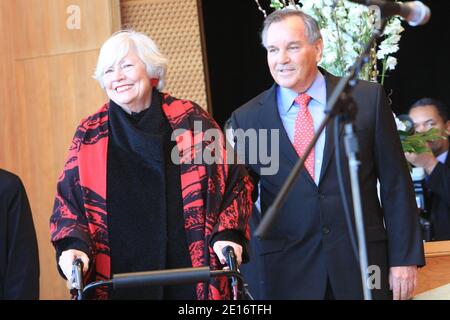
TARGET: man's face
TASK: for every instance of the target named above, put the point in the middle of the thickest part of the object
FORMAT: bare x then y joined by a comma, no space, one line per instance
427,117
291,58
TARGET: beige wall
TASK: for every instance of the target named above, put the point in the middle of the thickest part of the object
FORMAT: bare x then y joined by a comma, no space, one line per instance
45,89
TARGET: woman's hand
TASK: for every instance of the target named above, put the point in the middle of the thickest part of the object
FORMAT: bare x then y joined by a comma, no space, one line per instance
219,245
68,257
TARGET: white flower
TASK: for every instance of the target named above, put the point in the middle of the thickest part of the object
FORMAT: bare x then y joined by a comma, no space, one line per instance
346,27
391,62
355,12
308,6
326,11
393,27
386,49
327,3
296,7
330,57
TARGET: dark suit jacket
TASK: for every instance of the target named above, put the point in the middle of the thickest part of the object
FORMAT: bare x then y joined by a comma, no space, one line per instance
439,191
19,260
308,244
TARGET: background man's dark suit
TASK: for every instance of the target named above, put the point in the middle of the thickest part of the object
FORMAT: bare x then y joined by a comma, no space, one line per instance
309,243
439,192
19,260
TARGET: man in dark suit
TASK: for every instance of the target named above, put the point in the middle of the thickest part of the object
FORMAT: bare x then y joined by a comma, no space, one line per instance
307,253
19,260
426,114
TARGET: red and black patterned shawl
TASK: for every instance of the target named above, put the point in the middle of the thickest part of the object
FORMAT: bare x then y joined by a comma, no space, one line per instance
215,197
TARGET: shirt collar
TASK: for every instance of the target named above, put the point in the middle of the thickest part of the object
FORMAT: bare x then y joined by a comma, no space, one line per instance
317,92
442,157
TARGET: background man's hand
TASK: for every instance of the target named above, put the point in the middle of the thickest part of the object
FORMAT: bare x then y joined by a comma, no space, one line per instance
424,160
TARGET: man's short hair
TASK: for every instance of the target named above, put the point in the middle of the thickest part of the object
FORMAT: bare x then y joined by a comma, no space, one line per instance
441,107
312,28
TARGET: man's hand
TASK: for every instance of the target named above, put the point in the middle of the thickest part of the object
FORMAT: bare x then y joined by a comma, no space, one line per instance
66,260
403,281
219,245
425,160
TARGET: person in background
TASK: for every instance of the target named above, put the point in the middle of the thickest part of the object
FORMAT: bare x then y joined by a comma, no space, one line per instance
19,256
123,203
307,252
430,113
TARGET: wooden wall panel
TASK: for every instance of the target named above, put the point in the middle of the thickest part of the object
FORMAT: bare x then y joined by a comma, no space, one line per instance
7,88
45,90
56,99
43,31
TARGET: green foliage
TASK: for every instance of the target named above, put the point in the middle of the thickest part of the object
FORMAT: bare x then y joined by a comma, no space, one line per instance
417,142
276,4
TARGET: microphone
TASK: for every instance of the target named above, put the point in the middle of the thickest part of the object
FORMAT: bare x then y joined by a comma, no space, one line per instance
160,277
407,121
230,256
415,12
77,278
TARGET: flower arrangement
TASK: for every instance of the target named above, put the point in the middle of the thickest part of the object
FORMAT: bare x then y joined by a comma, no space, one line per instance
346,28
415,142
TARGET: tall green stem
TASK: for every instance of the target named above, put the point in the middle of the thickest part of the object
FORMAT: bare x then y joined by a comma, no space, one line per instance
383,71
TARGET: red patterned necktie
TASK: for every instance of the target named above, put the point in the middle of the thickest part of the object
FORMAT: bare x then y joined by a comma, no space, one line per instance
304,131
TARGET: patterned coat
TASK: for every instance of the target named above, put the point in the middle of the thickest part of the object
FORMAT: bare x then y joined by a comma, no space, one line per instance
216,197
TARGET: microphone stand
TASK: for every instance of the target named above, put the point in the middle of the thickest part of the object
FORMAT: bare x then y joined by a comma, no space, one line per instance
230,257
77,279
339,103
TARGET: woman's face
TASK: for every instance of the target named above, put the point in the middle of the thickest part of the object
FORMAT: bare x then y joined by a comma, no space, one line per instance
127,83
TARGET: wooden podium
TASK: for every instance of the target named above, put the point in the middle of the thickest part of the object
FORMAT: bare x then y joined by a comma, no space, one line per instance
434,278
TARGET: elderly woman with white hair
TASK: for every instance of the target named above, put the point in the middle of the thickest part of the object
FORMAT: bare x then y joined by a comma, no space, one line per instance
124,205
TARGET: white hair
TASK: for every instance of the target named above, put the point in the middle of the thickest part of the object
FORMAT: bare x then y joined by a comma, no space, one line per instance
118,46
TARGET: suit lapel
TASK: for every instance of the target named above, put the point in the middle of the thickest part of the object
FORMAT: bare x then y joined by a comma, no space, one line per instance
269,118
328,151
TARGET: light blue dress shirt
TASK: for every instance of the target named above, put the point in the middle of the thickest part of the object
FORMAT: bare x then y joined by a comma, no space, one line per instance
288,109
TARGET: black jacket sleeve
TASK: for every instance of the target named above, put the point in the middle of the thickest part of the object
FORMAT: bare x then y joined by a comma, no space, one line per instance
19,250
